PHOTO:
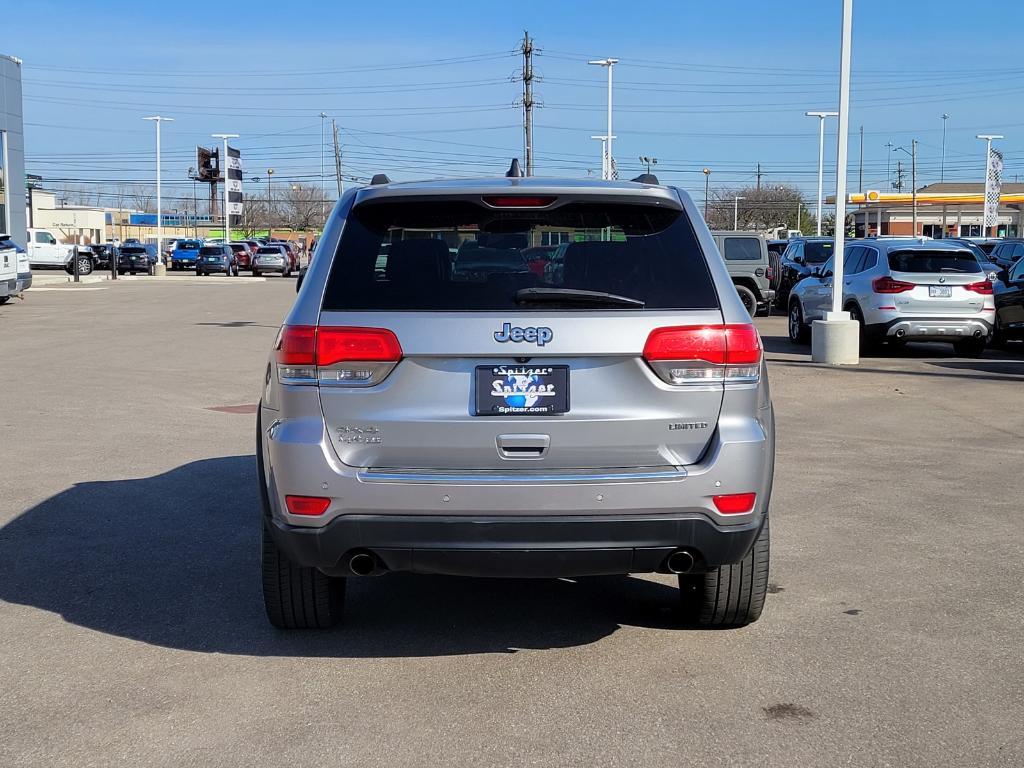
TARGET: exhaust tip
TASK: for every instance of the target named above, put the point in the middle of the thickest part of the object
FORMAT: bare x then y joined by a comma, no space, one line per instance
362,564
679,562
977,334
900,333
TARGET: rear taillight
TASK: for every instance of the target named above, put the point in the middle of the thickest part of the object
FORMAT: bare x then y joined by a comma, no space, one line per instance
705,354
983,287
357,357
888,285
769,273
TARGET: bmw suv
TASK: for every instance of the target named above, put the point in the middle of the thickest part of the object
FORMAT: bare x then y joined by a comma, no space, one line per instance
423,416
903,290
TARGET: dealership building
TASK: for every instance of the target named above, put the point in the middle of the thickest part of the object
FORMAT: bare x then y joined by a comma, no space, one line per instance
12,150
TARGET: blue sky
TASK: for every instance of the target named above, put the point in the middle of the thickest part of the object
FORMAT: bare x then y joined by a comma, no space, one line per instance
426,89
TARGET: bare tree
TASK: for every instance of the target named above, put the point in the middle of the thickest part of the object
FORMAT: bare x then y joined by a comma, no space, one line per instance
142,197
764,208
301,207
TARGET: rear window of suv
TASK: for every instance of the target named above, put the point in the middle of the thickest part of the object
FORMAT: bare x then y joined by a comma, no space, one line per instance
211,250
459,255
922,260
742,249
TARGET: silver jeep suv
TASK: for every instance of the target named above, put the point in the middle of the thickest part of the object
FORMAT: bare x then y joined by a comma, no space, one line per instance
438,402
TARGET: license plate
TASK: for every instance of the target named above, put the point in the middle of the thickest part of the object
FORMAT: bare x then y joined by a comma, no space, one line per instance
522,390
940,291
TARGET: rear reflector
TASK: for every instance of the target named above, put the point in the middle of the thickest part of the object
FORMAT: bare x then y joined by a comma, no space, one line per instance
519,201
983,287
310,506
306,354
703,354
735,503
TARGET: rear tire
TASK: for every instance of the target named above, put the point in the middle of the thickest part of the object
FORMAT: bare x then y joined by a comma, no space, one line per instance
297,597
799,333
729,595
748,298
969,347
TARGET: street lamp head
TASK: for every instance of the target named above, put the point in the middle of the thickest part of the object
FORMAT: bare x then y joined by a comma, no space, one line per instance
821,115
160,119
224,135
270,171
706,171
945,116
989,136
603,62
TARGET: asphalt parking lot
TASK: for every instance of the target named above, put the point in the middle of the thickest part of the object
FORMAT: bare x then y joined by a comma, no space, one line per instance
133,630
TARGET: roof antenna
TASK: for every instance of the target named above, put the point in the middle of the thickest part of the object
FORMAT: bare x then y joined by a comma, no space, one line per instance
380,178
514,171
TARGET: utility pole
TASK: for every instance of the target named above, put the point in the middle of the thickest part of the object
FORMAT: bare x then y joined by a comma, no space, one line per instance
337,159
942,166
759,176
888,164
861,174
898,184
913,181
527,49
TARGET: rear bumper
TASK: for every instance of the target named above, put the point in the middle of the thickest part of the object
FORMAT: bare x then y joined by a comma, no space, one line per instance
932,328
23,283
520,547
8,287
270,267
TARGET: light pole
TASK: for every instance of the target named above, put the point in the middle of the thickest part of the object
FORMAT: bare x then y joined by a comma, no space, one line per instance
270,173
836,339
987,138
195,212
821,157
707,184
942,165
609,62
323,189
736,212
225,163
604,156
159,218
648,161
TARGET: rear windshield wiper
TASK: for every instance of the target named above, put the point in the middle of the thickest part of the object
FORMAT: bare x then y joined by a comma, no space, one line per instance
575,296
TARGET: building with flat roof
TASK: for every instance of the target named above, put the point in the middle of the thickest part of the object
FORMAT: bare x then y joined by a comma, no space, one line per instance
949,209
12,151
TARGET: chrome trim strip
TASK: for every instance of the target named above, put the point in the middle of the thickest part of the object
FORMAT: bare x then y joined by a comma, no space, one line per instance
487,477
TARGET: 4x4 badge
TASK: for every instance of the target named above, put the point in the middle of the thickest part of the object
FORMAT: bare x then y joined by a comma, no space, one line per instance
539,336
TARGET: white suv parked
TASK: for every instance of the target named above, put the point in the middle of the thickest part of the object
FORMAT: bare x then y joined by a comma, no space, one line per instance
902,290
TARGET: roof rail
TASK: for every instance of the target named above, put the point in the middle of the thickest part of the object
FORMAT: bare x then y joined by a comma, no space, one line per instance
380,178
647,178
514,171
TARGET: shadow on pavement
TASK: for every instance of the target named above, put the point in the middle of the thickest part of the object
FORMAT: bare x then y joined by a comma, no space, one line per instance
173,560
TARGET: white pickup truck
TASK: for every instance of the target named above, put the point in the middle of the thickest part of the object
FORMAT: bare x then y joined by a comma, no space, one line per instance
8,268
45,250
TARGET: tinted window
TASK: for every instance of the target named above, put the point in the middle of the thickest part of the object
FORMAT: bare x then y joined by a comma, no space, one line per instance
187,245
269,249
1018,251
742,249
853,260
238,247
396,255
133,249
817,252
870,259
1017,272
211,250
923,260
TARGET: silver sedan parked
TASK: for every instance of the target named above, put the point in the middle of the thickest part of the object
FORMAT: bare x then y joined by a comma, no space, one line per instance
903,290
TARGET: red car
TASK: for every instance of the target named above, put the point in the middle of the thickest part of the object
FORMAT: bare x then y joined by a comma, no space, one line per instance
243,251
